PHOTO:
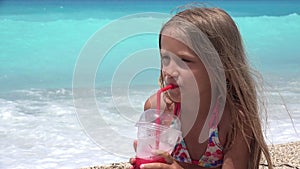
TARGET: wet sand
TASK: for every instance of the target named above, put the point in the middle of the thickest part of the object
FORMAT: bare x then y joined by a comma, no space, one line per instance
284,156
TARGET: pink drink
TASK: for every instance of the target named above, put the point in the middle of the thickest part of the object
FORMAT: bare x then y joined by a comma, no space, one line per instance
155,133
140,161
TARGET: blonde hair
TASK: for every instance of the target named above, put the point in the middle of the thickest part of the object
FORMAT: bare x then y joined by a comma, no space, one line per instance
241,95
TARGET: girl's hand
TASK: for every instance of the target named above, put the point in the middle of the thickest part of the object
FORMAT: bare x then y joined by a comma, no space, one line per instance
170,162
132,160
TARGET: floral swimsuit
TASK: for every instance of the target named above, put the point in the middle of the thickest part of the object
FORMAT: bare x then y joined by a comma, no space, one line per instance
213,156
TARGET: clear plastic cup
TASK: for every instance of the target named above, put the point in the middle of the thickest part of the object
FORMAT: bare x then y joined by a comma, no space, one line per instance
156,131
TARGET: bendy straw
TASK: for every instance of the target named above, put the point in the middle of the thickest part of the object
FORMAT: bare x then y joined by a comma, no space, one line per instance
157,121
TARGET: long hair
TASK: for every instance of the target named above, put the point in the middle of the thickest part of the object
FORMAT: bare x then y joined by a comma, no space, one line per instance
241,87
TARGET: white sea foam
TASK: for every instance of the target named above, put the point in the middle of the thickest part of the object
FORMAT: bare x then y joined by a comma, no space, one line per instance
38,132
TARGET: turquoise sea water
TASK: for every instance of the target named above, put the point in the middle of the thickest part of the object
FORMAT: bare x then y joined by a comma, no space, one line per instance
40,41
39,47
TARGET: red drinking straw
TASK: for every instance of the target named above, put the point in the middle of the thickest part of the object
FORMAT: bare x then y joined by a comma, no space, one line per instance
158,95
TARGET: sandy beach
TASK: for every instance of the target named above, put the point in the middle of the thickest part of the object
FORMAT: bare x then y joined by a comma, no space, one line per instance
284,156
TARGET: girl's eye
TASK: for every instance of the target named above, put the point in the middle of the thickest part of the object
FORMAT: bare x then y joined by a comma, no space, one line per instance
165,60
186,60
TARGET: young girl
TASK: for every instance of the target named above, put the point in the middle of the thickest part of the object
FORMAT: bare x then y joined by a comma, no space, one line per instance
216,99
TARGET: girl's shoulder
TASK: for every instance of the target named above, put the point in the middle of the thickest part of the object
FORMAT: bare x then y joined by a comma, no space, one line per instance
150,103
165,103
226,124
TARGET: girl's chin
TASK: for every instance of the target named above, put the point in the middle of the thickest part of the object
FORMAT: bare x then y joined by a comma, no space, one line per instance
174,95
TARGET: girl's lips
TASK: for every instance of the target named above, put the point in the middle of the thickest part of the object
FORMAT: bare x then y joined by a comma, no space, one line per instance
175,85
168,80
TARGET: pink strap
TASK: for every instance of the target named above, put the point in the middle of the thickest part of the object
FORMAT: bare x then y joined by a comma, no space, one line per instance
177,109
215,116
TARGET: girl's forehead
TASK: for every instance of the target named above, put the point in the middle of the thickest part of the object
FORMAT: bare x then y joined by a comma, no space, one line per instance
174,37
173,32
172,42
173,46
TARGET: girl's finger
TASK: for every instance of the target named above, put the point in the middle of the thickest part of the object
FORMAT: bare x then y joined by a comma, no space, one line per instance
168,158
135,145
155,166
132,161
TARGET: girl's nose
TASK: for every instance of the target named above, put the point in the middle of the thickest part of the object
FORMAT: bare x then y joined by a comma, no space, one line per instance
171,69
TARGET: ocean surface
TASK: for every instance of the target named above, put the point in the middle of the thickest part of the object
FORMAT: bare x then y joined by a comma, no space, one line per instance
58,111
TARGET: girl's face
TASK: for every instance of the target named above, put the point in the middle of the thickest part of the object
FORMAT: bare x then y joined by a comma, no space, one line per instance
182,67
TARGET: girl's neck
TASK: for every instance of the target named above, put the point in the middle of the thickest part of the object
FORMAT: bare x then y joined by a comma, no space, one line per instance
192,117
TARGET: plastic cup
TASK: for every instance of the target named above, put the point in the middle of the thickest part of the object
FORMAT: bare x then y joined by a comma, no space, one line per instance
153,136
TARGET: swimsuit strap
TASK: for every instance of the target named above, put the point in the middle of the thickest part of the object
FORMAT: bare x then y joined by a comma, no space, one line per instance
213,123
177,109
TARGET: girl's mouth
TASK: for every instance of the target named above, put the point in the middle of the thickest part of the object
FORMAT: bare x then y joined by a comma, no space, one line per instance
173,83
174,86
